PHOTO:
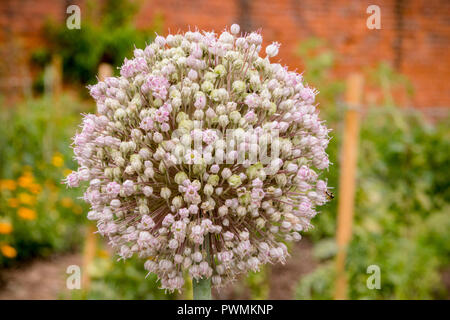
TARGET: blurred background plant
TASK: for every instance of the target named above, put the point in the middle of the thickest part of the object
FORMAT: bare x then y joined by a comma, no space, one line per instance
39,217
402,198
109,39
38,214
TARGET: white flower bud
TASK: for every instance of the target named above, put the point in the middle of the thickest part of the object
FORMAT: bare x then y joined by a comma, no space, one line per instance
147,190
235,29
165,193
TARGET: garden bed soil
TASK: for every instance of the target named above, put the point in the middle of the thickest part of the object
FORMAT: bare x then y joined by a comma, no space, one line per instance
46,278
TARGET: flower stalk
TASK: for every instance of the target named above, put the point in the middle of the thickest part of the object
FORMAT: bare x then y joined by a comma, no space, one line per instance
202,289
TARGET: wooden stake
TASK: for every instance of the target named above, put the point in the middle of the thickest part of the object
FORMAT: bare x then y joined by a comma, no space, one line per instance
105,70
90,244
347,180
57,77
53,78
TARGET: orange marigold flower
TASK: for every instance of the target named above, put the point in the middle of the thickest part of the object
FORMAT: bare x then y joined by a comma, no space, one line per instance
57,160
26,180
77,209
5,228
26,213
13,202
8,251
35,188
8,184
66,202
26,198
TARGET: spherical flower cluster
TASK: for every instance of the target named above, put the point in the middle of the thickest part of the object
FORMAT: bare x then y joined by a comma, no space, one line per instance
165,180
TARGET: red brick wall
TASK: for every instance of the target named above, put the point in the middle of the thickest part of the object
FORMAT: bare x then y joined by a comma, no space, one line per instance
21,29
24,19
414,35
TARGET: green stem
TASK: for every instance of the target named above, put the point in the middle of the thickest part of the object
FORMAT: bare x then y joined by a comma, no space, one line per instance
202,287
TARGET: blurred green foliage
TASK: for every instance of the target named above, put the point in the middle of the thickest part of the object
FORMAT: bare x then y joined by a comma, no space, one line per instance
35,149
38,215
319,60
35,157
402,200
109,39
258,284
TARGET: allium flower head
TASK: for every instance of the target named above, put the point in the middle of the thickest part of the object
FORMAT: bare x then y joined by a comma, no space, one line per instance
203,157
